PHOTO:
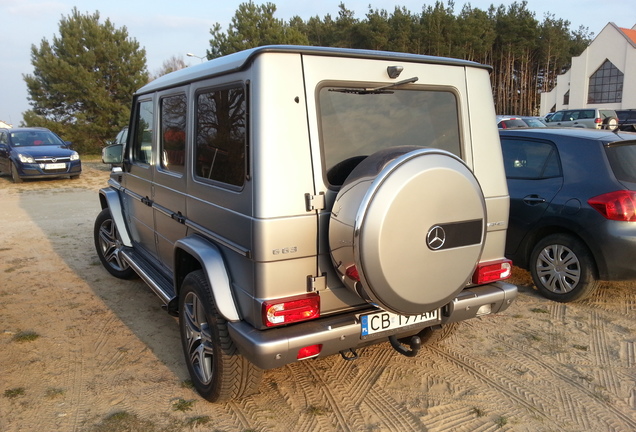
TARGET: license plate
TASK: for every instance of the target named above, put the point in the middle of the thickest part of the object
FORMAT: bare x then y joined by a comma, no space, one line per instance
379,322
53,166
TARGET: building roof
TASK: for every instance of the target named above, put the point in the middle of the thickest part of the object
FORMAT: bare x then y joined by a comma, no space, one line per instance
629,34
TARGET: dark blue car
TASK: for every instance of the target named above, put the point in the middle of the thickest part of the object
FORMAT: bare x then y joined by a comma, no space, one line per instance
36,153
572,207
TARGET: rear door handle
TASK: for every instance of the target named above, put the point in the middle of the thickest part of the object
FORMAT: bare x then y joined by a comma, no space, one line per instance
533,200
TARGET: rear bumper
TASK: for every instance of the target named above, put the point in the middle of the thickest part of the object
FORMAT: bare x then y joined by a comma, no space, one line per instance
274,348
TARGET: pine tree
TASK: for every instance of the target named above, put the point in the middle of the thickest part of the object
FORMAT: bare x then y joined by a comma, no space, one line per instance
84,79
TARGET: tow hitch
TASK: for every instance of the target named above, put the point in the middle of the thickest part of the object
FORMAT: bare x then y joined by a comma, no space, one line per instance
414,343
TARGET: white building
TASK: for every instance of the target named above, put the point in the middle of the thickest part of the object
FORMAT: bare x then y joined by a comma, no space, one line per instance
603,76
5,125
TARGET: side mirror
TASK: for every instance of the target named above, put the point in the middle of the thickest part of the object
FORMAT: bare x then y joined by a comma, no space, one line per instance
113,154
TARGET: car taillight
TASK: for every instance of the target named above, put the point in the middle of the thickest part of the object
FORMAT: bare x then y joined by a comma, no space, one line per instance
492,271
291,309
619,205
598,120
309,351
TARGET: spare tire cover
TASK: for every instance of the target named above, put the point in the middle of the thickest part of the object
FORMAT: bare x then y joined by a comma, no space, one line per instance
412,222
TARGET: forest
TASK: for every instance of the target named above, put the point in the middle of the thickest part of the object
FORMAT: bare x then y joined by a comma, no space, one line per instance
526,53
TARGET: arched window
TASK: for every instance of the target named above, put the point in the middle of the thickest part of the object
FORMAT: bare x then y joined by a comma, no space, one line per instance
606,84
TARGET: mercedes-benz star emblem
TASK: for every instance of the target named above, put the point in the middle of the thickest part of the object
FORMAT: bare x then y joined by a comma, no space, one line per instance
53,160
436,237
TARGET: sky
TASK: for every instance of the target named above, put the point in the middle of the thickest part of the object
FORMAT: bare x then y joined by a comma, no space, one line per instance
167,28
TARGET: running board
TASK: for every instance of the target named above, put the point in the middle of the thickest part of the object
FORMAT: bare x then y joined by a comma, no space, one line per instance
157,282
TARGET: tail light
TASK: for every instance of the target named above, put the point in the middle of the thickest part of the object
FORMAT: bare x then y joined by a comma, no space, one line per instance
598,121
492,271
309,351
291,309
619,205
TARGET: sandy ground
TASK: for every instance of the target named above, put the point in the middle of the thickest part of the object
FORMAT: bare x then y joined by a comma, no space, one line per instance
83,351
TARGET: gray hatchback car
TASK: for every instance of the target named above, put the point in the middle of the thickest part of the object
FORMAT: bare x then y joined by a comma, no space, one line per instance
572,207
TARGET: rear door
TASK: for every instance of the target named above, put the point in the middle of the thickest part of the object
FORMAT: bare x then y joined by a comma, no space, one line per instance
169,185
534,176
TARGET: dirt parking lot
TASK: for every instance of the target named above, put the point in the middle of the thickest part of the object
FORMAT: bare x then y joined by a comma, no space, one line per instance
82,351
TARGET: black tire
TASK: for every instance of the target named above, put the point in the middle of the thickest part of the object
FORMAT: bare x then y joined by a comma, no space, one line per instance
14,174
563,268
107,244
218,371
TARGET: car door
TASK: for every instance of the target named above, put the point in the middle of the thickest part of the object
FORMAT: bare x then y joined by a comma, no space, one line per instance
534,176
138,180
169,199
4,153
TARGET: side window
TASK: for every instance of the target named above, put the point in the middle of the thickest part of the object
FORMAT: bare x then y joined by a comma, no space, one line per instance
221,135
557,117
173,133
3,138
530,160
142,140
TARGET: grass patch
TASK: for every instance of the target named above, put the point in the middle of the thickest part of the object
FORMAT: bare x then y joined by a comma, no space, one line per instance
14,392
25,336
581,347
54,392
539,310
316,411
198,421
501,421
187,384
123,421
477,411
183,405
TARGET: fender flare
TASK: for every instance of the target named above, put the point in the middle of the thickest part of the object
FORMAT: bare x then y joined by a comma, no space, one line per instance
213,265
109,197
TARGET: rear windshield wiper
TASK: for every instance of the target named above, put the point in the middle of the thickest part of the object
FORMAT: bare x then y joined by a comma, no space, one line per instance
375,90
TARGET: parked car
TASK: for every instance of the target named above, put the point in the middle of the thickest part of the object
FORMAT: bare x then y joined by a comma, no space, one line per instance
36,153
273,206
627,120
592,118
509,122
534,121
572,207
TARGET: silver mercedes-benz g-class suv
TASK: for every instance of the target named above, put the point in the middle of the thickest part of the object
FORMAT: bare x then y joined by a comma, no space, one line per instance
289,203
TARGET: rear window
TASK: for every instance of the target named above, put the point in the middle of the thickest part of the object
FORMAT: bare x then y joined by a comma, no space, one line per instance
626,115
509,124
355,124
622,159
607,114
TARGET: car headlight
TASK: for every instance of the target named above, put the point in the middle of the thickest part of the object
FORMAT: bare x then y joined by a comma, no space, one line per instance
25,158
74,156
